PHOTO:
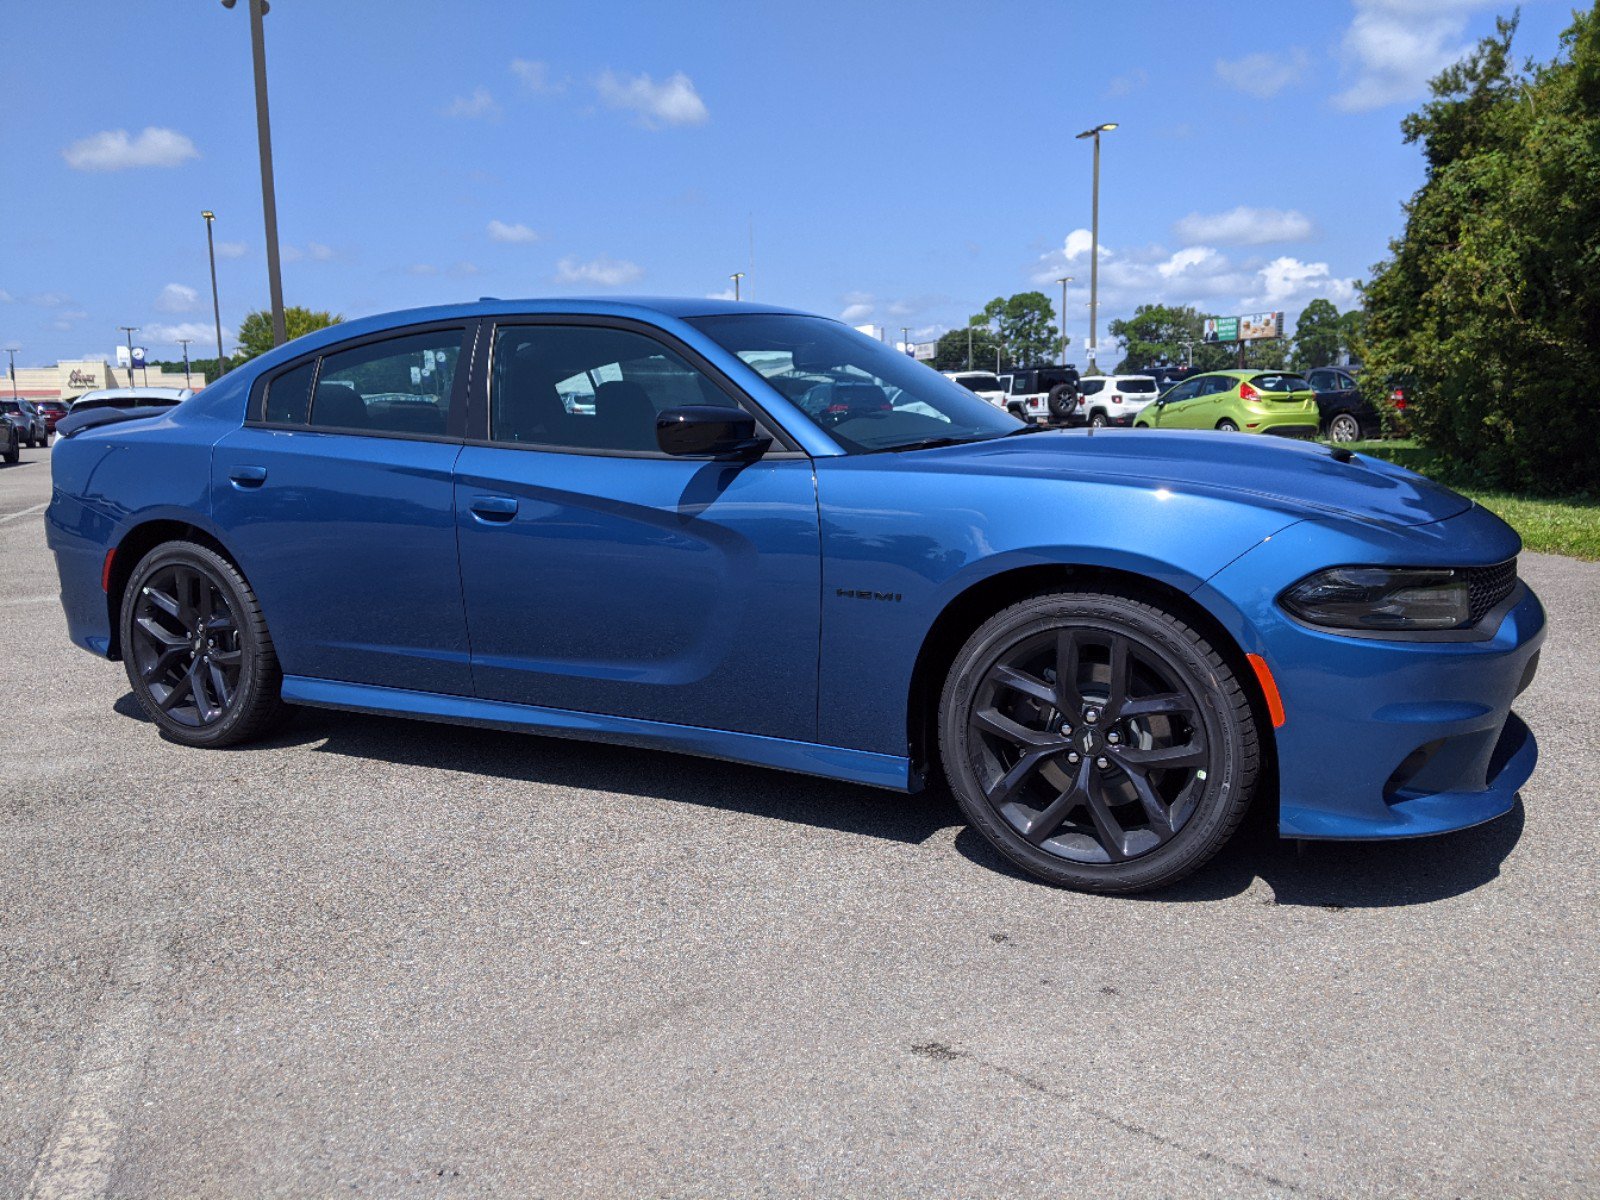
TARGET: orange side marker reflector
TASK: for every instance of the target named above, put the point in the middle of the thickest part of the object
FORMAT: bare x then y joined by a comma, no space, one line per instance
1269,688
105,571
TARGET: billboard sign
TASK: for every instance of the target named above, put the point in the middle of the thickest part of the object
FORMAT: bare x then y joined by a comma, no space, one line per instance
1221,329
139,357
1258,327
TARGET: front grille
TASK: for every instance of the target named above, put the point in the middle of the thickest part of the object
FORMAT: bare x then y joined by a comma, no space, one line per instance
1487,586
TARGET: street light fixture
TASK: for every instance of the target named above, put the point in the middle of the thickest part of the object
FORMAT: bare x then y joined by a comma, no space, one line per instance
216,307
130,330
269,202
12,351
1094,244
736,276
1063,281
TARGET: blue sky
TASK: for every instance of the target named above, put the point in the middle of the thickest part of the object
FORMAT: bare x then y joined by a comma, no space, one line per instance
900,163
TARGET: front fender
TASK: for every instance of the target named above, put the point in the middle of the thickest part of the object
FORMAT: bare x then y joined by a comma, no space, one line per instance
900,546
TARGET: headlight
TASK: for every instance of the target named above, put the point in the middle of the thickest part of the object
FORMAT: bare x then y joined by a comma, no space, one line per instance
1383,598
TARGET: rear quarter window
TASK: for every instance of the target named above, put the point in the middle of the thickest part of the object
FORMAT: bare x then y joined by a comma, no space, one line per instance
1136,387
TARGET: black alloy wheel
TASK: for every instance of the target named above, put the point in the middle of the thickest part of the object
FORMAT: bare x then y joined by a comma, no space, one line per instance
1098,741
196,648
1061,402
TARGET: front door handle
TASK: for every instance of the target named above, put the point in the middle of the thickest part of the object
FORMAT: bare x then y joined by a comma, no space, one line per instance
248,477
494,510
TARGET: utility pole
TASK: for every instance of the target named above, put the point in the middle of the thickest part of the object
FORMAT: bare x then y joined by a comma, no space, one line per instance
216,307
736,276
1094,241
269,201
12,351
1063,281
905,338
184,342
130,330
969,345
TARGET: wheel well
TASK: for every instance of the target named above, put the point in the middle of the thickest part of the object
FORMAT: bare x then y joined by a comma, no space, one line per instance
138,542
963,615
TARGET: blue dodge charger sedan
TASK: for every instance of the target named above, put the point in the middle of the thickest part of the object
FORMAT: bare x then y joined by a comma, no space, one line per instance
750,533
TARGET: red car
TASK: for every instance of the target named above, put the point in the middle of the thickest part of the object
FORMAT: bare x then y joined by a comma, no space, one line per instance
52,411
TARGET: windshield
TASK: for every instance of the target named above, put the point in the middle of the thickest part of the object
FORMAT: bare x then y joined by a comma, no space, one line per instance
864,395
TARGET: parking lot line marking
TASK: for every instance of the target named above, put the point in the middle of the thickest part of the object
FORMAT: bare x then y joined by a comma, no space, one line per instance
27,512
77,1163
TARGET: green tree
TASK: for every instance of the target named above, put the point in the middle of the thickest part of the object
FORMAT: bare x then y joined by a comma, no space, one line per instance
1025,326
1318,335
1157,334
950,352
198,367
1488,307
255,333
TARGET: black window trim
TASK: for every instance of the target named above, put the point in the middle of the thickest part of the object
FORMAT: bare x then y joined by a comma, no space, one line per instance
478,432
461,392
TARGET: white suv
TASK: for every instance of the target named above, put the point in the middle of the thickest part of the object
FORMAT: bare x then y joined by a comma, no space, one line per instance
1114,399
985,384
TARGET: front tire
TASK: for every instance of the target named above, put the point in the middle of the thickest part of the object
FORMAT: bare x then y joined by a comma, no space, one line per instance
1344,428
1098,421
196,648
1098,741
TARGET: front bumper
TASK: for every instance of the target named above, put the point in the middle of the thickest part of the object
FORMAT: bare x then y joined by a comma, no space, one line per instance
1387,738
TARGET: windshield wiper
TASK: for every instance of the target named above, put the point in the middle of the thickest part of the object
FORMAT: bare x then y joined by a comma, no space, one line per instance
1027,429
925,444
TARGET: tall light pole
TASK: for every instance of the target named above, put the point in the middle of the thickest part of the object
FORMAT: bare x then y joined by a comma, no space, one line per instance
1094,245
184,342
130,330
1063,281
905,338
216,305
736,276
12,351
269,201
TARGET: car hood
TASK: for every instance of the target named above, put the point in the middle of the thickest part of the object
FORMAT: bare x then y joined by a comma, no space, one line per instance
1301,476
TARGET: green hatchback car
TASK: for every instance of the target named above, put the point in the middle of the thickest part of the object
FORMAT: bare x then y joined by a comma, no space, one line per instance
1276,402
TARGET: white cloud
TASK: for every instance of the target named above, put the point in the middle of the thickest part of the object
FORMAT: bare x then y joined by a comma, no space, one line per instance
1052,265
1263,75
463,268
478,106
313,252
176,298
457,270
114,150
1123,85
671,102
1245,226
1396,46
231,249
1191,258
422,269
855,314
48,299
608,272
1286,282
724,294
535,76
517,234
6,297
199,332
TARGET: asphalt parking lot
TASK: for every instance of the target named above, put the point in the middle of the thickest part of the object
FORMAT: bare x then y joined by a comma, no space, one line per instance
381,957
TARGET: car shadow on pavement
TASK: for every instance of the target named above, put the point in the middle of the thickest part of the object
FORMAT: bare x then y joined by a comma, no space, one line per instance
1330,875
564,763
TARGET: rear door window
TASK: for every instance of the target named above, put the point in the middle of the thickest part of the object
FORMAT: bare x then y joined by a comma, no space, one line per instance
289,395
399,385
1090,387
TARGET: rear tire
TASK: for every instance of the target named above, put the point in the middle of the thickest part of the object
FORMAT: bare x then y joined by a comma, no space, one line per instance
1227,426
13,451
1098,421
1344,428
1049,689
197,651
1062,401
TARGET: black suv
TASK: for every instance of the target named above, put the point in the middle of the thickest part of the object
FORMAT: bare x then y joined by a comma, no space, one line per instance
1048,394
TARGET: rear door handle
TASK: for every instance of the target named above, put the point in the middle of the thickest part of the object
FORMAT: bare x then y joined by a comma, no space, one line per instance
248,477
494,510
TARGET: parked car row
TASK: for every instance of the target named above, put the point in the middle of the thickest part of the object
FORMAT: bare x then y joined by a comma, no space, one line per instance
1325,401
27,422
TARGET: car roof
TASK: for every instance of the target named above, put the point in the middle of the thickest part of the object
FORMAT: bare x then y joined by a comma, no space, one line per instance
165,393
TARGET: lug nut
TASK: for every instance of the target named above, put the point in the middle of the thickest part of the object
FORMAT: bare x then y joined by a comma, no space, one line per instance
1066,731
1101,763
1073,757
1113,738
1092,716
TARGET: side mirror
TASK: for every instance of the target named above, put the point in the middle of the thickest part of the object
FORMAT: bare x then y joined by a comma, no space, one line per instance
709,431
